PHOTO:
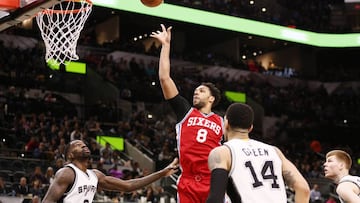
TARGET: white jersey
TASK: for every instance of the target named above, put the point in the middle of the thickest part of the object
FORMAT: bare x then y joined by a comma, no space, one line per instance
83,188
352,179
256,173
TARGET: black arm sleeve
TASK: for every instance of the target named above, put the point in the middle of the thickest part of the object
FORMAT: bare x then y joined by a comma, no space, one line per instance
180,106
219,179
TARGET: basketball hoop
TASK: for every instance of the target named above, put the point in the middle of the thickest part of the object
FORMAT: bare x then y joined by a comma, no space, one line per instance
60,28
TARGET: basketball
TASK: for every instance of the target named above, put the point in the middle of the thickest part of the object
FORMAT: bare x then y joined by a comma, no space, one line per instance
151,3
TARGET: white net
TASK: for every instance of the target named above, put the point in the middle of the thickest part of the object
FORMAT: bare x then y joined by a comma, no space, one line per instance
60,28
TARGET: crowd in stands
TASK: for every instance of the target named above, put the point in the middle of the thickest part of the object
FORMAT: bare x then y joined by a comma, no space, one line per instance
306,115
37,129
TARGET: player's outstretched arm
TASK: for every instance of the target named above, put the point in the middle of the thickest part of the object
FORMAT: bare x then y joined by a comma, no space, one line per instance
167,84
63,179
294,179
114,184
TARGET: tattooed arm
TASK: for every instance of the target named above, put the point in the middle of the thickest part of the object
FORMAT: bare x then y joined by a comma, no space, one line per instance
219,164
294,179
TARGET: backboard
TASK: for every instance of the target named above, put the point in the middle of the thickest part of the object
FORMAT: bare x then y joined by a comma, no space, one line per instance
13,12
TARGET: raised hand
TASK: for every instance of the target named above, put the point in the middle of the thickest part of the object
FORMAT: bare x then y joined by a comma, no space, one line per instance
173,167
164,36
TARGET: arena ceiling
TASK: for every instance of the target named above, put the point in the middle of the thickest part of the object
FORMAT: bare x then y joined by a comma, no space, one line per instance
199,36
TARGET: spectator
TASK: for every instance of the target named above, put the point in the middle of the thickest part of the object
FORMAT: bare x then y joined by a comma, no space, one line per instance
40,151
76,134
21,188
116,159
32,144
3,190
94,147
60,150
35,199
38,175
137,171
165,155
36,188
100,167
116,172
153,193
49,175
59,163
96,130
315,194
106,153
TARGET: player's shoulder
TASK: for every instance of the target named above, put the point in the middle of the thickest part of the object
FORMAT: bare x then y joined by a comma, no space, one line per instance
64,170
98,173
219,155
221,151
350,178
348,183
66,174
219,116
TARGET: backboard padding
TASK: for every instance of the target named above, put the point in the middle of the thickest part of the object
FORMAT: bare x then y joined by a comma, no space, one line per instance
26,12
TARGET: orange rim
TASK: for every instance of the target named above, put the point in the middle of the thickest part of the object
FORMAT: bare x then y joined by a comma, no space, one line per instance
52,11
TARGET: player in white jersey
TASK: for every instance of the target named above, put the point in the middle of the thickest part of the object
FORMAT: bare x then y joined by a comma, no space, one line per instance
336,168
251,171
75,183
84,186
